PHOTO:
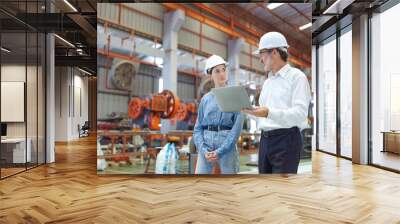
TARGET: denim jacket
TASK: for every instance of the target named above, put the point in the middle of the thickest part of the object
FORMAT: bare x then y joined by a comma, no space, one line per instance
210,114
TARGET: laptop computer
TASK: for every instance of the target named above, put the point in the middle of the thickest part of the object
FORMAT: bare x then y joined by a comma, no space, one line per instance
232,98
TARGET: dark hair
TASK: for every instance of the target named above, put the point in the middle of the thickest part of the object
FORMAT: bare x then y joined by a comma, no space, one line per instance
283,52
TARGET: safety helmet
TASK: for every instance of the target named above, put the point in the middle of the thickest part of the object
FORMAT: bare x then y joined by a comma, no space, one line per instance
271,40
213,61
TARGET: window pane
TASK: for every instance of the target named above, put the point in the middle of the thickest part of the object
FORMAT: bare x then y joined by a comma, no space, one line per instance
31,97
385,89
14,153
346,94
327,96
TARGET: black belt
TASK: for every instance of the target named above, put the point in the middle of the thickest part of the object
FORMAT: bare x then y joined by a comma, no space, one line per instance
216,128
281,131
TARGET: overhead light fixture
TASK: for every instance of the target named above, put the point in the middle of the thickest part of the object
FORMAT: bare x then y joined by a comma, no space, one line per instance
65,41
5,50
305,26
338,6
70,5
272,6
86,72
331,7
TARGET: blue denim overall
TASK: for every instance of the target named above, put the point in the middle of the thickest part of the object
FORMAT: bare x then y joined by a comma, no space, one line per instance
222,141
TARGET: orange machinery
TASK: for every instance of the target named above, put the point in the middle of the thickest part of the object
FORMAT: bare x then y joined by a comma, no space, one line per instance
165,105
187,112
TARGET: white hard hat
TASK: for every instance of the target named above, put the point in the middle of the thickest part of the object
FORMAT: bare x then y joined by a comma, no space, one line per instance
213,61
271,40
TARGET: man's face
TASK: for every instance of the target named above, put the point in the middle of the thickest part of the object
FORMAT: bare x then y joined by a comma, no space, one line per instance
266,58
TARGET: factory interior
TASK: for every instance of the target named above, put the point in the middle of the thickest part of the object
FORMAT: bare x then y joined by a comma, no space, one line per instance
94,93
138,72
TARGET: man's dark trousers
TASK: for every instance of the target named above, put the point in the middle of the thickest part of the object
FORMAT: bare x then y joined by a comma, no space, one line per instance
280,151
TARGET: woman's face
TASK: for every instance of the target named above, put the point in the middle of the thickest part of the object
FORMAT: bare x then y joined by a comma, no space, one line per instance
218,74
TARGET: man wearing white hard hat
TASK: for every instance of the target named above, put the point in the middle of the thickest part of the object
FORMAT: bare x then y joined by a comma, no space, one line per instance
216,133
284,102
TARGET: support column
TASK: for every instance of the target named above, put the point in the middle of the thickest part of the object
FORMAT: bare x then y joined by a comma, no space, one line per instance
173,21
314,97
234,48
50,99
360,90
50,91
92,99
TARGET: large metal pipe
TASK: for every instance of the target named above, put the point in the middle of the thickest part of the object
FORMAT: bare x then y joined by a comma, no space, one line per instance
195,15
224,28
294,59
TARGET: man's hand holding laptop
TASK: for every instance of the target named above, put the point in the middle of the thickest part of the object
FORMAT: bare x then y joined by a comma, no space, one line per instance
256,111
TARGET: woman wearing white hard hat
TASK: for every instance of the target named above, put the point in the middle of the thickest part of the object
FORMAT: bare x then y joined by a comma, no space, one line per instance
284,102
216,132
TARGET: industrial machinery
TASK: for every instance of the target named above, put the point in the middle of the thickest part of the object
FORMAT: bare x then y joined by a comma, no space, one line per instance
123,75
114,121
186,115
151,110
185,111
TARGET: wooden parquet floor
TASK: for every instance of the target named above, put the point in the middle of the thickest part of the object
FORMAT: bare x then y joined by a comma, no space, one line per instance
69,191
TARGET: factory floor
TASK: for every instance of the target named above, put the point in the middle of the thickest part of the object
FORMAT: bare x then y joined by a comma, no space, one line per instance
139,166
70,191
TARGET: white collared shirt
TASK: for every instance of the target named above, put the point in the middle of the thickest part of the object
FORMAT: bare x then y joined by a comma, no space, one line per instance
287,96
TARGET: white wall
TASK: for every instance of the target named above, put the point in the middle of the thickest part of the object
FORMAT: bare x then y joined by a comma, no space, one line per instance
71,94
61,103
12,73
79,117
